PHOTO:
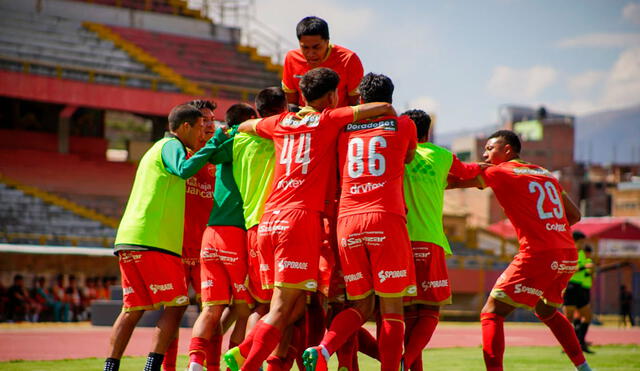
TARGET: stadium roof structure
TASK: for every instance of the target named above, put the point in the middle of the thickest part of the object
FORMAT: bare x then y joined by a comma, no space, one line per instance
614,228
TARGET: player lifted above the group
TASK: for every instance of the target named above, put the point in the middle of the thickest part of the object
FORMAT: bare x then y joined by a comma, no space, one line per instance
372,235
289,233
317,51
541,213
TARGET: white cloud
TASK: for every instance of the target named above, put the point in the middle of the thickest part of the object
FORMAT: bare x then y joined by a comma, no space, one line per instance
631,12
601,40
428,104
520,84
584,83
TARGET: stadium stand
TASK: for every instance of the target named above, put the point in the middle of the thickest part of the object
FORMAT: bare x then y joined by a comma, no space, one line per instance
173,7
31,220
59,47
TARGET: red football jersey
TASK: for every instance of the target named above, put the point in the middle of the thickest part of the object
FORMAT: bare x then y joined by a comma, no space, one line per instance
198,204
371,156
305,145
532,199
342,60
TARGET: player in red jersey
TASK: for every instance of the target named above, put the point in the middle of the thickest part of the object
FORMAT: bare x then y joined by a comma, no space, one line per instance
375,251
541,213
289,232
317,51
198,203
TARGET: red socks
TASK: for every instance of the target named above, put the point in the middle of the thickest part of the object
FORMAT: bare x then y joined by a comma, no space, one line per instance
265,340
368,344
391,342
343,325
169,361
563,331
198,350
213,354
420,334
347,353
492,340
245,346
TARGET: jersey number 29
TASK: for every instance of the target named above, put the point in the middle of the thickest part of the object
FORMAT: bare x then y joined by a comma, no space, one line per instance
548,190
376,162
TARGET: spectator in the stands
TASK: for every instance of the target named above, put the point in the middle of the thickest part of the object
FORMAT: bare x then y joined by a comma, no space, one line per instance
50,308
20,306
75,299
103,288
4,299
59,295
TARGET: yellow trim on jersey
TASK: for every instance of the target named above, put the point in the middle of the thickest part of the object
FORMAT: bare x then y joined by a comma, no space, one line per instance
135,309
215,302
555,305
356,112
483,185
407,291
287,89
359,297
329,49
354,92
305,111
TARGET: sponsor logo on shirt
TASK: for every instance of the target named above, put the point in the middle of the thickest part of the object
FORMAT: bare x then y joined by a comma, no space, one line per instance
434,284
291,183
182,300
311,285
287,264
353,240
385,275
558,227
530,171
310,121
127,291
265,228
163,287
264,267
412,290
520,288
206,284
391,125
421,255
353,277
239,288
364,188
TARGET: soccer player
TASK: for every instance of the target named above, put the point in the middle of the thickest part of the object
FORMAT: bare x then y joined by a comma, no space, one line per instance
317,51
290,228
223,257
149,239
425,180
578,293
198,203
541,213
375,251
254,161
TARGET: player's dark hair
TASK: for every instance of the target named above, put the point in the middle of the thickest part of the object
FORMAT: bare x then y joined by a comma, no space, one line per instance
578,235
510,137
318,82
203,103
181,114
376,88
588,249
271,101
239,113
312,26
422,121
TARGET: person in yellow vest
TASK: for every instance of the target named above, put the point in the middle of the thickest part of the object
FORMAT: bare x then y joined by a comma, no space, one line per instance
149,238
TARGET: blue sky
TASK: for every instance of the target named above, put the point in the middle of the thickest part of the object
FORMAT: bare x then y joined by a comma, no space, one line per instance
462,59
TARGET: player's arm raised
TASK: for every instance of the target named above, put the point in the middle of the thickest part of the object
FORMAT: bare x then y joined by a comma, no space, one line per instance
572,211
249,126
369,110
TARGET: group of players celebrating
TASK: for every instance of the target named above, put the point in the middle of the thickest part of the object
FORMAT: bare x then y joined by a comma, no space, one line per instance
325,213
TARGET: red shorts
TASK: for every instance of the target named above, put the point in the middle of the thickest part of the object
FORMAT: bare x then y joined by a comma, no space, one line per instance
432,277
375,254
151,279
192,273
530,278
261,295
289,248
223,266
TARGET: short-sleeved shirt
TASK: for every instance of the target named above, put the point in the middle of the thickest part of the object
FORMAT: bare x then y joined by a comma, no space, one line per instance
340,59
305,145
371,157
532,199
583,277
198,203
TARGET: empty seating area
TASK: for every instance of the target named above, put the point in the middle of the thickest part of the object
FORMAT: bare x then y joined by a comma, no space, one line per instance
96,184
27,219
200,59
173,7
62,48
